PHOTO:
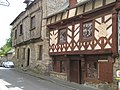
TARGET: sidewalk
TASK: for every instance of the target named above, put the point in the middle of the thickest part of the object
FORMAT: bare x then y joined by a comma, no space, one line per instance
63,83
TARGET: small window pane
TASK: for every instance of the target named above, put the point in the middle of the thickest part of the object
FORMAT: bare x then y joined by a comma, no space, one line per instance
92,70
87,30
62,37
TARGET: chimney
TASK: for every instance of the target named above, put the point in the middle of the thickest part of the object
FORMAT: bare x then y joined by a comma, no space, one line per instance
72,3
28,2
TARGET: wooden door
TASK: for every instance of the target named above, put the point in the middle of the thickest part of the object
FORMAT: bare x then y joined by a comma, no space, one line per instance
74,71
106,71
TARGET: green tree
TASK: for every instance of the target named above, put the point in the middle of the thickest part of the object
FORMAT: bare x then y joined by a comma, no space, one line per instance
7,47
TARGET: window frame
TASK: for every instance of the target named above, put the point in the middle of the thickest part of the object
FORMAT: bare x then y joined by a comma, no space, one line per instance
21,29
92,27
62,30
92,70
40,49
18,53
33,22
23,53
15,34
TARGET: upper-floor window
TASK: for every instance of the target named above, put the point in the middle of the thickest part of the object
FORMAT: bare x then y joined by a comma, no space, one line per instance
21,29
15,34
87,30
33,24
62,36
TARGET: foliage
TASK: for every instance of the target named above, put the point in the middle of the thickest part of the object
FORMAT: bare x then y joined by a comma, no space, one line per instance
7,47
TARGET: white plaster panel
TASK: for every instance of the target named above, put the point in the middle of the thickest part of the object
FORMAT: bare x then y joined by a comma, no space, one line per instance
69,33
108,16
58,17
97,25
110,1
96,35
98,3
107,46
109,22
68,39
64,16
72,12
89,48
109,32
88,7
80,10
76,38
76,48
97,47
82,48
99,20
53,19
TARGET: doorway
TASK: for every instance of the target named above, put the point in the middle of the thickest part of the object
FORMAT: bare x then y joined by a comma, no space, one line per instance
75,71
28,57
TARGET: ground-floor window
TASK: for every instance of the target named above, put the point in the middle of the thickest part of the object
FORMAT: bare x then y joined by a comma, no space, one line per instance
99,68
59,66
92,70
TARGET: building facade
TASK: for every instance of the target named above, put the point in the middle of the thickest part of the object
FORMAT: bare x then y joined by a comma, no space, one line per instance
29,38
83,42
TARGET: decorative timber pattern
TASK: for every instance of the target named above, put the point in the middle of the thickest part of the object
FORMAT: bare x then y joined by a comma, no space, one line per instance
101,38
103,32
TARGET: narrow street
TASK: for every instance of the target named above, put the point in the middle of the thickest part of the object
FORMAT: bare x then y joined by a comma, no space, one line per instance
12,80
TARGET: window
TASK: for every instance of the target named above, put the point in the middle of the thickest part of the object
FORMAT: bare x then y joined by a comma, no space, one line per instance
15,34
33,24
40,52
59,66
87,30
62,36
17,53
21,29
92,70
63,66
23,53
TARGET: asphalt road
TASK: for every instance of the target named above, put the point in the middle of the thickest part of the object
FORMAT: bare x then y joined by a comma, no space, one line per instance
12,80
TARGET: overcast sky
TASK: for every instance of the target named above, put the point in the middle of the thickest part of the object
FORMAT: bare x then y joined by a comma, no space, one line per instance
7,15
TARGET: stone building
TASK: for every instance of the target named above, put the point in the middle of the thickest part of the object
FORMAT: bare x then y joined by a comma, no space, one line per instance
30,38
84,42
30,35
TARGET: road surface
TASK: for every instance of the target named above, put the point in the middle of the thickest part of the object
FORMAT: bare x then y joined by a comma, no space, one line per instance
12,80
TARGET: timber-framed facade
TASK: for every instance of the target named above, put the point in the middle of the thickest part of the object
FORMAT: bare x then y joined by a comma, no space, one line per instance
83,41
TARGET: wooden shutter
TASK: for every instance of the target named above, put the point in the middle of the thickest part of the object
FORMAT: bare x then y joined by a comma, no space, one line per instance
105,71
56,66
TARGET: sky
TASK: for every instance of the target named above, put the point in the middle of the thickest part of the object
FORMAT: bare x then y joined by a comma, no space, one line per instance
7,15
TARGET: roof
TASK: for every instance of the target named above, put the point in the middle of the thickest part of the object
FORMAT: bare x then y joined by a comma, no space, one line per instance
21,14
66,7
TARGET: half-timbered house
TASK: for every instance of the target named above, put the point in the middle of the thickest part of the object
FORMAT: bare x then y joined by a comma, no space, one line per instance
83,41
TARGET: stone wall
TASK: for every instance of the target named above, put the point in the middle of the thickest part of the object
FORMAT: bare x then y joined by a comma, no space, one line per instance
61,76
